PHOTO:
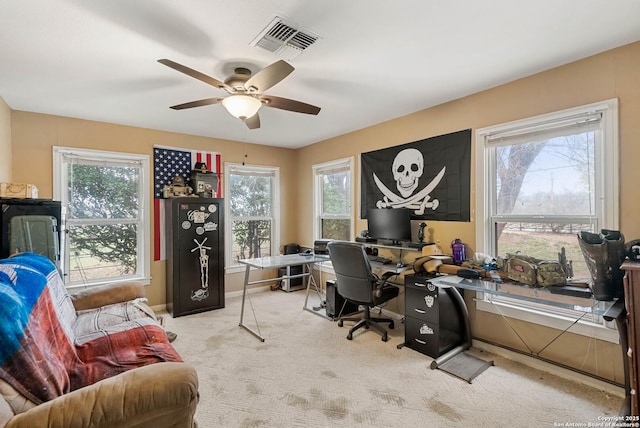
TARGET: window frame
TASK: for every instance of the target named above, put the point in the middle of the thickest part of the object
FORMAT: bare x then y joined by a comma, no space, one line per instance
319,171
606,211
60,186
274,172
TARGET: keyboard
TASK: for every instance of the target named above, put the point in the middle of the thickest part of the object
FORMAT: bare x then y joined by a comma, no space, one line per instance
418,245
379,259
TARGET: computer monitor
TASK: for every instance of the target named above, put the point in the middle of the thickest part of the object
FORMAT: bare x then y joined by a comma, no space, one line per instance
392,224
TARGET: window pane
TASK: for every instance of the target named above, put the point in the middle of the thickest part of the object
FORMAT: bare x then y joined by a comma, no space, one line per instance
249,196
549,177
251,238
335,193
102,251
544,241
104,192
336,229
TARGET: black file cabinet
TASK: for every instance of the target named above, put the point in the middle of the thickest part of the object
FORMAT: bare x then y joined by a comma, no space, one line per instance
433,322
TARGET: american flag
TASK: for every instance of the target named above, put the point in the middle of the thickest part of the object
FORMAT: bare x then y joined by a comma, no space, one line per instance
168,162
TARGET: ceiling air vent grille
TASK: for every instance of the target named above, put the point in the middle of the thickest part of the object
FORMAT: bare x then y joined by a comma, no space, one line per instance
284,39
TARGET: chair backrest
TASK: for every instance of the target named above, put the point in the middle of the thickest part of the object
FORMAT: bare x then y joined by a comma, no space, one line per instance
354,278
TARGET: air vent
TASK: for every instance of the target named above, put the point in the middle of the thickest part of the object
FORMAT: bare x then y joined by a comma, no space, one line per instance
285,39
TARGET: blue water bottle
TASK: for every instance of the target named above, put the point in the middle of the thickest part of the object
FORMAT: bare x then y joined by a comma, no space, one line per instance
457,248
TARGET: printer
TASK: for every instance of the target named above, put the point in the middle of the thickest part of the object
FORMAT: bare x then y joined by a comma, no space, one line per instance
320,246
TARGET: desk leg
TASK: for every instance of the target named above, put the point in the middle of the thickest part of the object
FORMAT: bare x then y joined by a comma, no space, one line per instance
311,280
244,295
618,312
306,297
466,344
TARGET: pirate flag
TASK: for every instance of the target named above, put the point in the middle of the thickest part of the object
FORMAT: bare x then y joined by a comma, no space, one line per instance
431,177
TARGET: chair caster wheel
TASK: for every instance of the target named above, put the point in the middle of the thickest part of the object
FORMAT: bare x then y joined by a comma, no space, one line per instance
385,338
391,325
340,323
349,337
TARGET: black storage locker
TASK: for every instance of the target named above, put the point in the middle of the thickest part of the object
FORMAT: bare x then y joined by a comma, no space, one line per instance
194,230
31,225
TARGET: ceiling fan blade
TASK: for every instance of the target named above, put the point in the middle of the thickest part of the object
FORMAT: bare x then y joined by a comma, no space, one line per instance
268,76
253,122
195,74
287,104
199,103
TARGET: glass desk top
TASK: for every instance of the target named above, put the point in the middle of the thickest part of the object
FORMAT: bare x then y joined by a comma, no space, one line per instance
286,260
524,292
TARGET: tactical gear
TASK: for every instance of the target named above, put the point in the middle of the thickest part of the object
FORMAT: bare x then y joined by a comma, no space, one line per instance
533,271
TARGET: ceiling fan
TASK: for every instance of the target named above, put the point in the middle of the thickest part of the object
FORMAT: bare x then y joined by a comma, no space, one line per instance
246,91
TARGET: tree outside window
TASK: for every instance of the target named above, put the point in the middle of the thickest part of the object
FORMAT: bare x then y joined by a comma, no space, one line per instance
541,181
333,200
545,192
102,193
251,211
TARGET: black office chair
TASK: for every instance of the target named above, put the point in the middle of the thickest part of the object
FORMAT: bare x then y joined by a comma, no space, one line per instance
358,284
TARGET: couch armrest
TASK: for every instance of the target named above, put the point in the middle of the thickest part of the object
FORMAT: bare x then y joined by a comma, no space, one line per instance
161,394
103,295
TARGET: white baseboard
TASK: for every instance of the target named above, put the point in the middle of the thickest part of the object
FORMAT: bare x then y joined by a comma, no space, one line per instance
549,368
163,308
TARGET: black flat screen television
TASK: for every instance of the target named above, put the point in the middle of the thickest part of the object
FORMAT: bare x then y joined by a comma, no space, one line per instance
391,224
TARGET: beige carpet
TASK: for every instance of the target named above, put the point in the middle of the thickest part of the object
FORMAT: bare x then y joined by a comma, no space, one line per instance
307,374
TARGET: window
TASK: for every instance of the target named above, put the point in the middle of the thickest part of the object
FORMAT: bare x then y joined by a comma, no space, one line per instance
542,180
253,204
332,200
106,215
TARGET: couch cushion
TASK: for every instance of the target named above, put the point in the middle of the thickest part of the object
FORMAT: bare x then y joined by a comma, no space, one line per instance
93,323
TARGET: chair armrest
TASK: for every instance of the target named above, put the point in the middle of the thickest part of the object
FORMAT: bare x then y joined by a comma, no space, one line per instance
161,394
382,283
103,295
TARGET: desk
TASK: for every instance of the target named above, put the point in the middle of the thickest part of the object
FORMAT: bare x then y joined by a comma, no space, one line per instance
392,248
383,270
307,261
540,295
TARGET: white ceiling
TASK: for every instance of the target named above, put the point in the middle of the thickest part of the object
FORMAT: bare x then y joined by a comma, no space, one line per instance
376,60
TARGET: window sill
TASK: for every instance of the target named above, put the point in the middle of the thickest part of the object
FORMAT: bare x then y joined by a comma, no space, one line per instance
234,269
559,322
137,280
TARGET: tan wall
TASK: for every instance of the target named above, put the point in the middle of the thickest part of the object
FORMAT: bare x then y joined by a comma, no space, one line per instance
613,74
34,135
5,142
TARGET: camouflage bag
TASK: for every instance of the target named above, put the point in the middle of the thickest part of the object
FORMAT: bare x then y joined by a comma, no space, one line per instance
533,271
521,270
550,273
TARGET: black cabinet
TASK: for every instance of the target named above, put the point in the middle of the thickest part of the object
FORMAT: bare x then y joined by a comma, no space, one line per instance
31,225
433,321
194,230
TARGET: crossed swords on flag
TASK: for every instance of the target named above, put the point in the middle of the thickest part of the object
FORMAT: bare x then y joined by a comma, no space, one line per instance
418,202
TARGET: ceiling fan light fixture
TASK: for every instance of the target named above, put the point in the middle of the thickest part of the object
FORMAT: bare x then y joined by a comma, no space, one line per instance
241,106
